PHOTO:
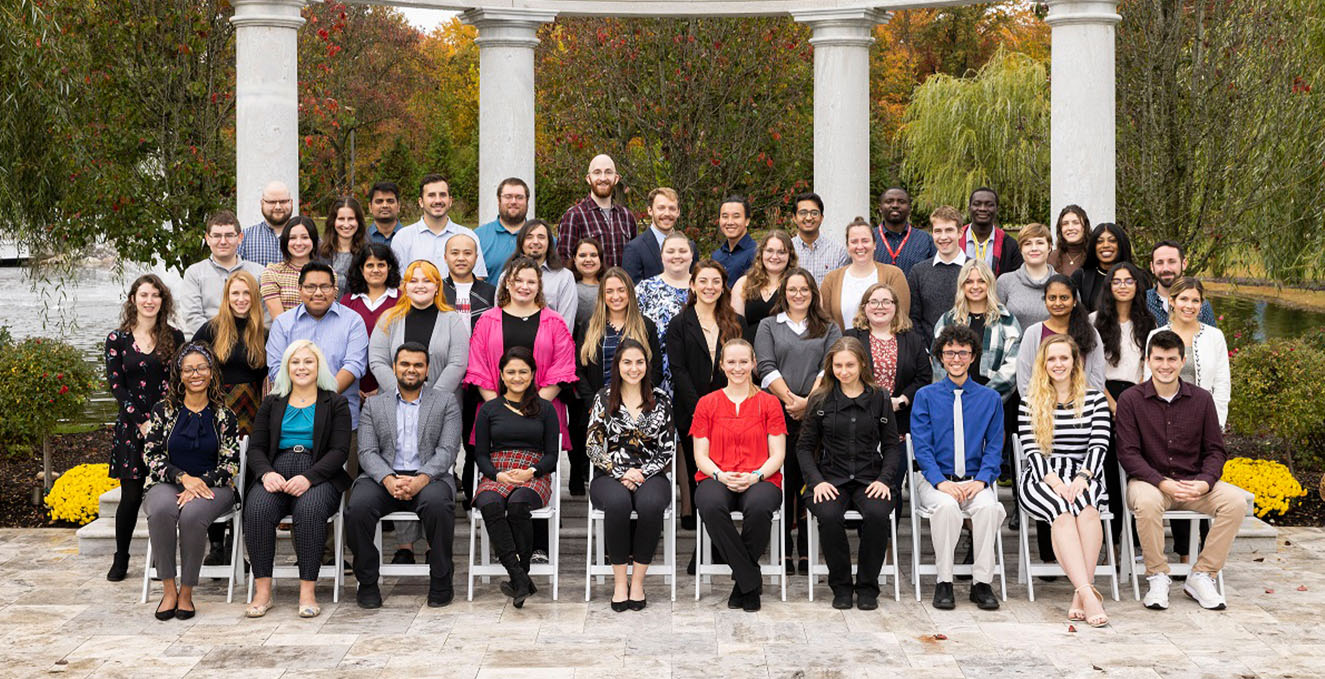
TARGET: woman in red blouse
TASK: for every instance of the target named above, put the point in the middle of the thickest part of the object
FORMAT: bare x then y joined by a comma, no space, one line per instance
740,441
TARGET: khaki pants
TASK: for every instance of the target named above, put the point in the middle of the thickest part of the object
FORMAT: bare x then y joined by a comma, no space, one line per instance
1224,502
945,526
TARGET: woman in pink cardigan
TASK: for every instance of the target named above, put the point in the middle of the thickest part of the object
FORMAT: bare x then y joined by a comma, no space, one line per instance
522,318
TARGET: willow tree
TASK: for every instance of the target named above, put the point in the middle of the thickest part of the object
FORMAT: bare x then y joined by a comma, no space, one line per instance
988,129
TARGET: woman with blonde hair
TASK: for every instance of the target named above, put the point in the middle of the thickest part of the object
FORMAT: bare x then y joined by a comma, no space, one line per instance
1063,427
976,306
843,288
756,293
896,355
422,315
301,439
240,347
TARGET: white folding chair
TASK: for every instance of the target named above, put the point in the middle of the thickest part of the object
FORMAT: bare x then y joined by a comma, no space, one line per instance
334,572
235,517
1028,570
397,569
485,568
595,559
917,513
705,569
1193,541
889,570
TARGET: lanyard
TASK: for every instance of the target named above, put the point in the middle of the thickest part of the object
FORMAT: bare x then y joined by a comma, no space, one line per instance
894,253
980,250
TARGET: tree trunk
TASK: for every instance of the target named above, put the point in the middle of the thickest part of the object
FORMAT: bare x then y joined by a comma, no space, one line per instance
46,462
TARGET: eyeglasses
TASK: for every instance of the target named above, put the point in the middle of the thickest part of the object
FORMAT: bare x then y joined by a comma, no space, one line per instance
196,370
809,213
512,196
880,303
1124,282
311,288
287,201
960,353
225,236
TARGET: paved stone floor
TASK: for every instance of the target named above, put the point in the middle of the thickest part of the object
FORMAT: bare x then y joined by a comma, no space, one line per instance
59,616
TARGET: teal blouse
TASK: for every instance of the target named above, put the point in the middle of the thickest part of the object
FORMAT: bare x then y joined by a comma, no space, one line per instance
297,427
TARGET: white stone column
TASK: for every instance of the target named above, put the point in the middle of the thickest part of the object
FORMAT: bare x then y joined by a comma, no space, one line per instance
1082,162
506,42
841,40
266,100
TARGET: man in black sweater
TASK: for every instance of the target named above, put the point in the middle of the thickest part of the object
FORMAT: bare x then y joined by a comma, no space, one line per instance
933,282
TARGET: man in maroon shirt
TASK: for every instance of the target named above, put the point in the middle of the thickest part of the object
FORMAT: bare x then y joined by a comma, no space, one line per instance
613,225
1172,447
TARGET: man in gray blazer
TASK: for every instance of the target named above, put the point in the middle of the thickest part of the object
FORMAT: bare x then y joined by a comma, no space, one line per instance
408,440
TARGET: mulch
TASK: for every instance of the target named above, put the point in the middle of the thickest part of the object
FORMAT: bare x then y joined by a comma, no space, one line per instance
20,475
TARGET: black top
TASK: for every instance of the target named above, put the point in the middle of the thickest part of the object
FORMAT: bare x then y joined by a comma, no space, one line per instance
850,439
757,310
694,374
331,438
914,369
236,369
497,427
1090,284
592,374
419,324
517,332
193,446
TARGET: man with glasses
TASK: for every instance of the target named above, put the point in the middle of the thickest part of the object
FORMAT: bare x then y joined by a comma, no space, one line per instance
384,207
262,241
899,243
598,216
816,255
496,239
957,437
338,331
204,282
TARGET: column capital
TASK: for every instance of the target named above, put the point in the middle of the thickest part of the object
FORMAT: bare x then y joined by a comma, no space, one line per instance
845,27
268,14
1068,12
502,27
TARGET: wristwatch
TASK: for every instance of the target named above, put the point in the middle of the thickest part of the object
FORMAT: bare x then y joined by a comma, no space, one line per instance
759,475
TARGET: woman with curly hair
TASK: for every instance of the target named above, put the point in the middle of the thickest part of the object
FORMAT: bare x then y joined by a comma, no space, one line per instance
137,354
192,455
756,293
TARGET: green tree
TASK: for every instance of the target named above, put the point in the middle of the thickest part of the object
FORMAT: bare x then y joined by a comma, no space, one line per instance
991,129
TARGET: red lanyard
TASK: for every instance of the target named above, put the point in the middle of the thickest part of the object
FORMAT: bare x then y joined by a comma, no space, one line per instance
891,253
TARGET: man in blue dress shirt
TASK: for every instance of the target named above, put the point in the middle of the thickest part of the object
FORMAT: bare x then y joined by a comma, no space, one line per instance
737,251
957,436
496,239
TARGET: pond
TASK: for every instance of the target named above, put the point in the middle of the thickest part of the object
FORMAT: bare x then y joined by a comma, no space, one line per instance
82,310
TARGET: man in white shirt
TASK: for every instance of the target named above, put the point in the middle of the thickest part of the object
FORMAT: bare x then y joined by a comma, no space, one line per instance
816,255
426,238
204,282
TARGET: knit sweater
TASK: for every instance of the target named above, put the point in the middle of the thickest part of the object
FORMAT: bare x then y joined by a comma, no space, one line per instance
933,291
1024,296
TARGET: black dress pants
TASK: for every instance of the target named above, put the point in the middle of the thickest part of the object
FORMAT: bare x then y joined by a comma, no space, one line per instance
874,533
649,501
714,503
369,502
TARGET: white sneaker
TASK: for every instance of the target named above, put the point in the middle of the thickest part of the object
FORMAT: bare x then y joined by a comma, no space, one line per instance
1157,597
1201,587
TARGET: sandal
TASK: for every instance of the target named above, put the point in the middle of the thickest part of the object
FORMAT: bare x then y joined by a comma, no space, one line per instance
1076,614
1102,619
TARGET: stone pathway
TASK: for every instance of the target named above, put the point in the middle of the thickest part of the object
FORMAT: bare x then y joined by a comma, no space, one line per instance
59,616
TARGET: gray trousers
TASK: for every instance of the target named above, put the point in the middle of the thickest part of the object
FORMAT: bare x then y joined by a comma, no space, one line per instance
170,526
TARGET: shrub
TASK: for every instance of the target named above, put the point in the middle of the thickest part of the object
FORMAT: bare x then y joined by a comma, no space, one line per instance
75,495
1276,392
1272,484
1239,331
42,381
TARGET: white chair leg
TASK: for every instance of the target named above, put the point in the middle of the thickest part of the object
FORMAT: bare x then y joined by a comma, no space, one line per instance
1002,562
147,572
236,564
1024,555
897,558
699,552
1109,559
473,531
588,553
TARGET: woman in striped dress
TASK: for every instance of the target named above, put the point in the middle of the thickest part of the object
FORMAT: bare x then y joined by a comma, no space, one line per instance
1064,432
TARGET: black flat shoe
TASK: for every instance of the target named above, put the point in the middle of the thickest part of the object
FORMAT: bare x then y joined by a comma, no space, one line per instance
943,597
637,604
369,596
119,568
750,602
791,566
982,595
735,600
867,602
842,601
165,614
621,606
803,567
184,613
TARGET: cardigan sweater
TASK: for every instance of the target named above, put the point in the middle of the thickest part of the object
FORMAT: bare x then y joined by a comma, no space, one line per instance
1210,352
448,351
913,368
831,291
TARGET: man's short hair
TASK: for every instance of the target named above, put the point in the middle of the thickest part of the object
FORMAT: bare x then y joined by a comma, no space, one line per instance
415,347
315,267
738,198
222,218
666,191
980,190
432,178
946,213
513,181
810,196
895,187
384,187
1168,244
1166,339
960,335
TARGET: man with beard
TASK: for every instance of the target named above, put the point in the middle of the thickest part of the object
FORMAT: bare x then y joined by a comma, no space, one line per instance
901,244
497,238
643,255
426,238
262,241
384,205
983,239
613,225
409,441
1167,262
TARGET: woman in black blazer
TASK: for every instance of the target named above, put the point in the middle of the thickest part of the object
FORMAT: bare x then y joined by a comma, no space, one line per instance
1108,245
616,317
896,354
694,350
297,454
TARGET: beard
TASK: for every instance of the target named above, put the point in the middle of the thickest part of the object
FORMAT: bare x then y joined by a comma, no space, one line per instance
416,383
273,223
602,190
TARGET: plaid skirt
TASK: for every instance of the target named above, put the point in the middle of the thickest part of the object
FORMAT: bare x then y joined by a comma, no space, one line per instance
243,400
506,460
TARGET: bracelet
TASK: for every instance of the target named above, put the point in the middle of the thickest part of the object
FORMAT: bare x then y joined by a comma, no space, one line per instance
714,475
759,475
1084,475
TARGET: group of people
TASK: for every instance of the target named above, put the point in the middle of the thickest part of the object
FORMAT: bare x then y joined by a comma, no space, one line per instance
784,374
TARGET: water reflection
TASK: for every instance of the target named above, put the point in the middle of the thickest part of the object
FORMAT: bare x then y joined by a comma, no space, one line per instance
1272,321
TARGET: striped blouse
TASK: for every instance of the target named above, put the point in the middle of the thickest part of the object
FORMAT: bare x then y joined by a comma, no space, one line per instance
1084,438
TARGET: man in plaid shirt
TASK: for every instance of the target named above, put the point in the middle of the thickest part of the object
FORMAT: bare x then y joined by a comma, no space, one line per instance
613,225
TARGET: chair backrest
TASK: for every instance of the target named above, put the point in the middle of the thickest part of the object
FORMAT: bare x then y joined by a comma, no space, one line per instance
1016,458
243,468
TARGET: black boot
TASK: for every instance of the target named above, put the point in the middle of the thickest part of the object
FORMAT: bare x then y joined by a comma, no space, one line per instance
216,554
119,567
519,587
